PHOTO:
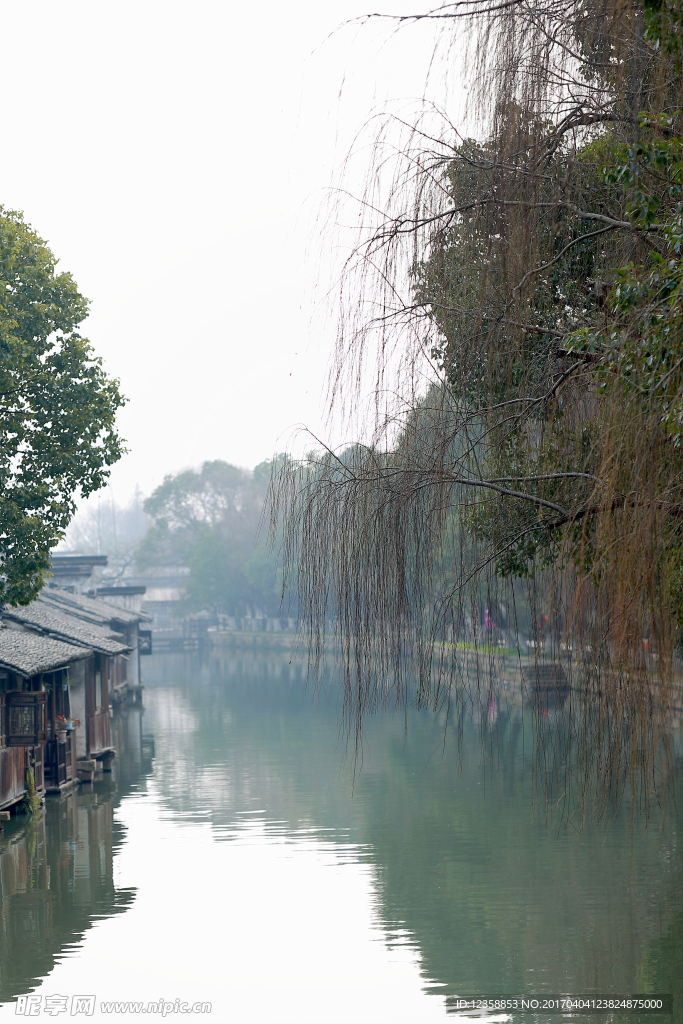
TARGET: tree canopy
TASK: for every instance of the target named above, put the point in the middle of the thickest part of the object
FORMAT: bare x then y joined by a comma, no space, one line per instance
532,275
57,408
208,521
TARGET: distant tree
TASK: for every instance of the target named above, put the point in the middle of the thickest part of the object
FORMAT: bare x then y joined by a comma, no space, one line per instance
57,408
209,521
188,504
102,525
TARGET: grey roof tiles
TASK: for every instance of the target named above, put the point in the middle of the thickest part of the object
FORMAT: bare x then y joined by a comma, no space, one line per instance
30,653
47,618
93,609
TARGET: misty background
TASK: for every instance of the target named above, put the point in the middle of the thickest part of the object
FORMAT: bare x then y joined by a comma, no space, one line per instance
182,162
178,159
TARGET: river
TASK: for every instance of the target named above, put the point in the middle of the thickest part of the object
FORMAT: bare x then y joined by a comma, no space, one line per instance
238,855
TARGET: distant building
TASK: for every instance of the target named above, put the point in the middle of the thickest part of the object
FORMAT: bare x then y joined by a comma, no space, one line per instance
165,591
82,572
128,597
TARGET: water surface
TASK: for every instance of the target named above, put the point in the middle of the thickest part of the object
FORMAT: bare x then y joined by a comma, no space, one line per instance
237,856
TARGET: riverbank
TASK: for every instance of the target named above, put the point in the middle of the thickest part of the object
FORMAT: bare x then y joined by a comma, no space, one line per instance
270,641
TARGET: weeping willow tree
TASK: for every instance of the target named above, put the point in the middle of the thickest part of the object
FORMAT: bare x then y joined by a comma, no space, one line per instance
520,293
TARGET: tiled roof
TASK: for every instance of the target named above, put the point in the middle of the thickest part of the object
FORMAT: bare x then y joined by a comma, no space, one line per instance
31,653
46,617
92,609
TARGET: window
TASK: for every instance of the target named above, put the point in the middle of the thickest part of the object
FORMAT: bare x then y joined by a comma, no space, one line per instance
26,719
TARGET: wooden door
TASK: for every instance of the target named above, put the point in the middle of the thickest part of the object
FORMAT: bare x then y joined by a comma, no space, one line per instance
60,760
36,761
98,733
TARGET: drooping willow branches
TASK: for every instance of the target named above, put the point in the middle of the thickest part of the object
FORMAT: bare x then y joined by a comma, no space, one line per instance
520,294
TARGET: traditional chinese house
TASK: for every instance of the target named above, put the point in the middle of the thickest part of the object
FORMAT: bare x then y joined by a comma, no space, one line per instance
66,656
89,678
118,615
33,673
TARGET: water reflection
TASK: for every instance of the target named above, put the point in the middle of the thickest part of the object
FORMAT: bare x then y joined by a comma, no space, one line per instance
56,869
427,869
469,870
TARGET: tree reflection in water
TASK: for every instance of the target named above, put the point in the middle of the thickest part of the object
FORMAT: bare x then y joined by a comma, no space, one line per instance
479,863
476,871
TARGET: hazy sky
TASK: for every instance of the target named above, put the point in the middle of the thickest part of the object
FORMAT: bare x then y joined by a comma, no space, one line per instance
175,156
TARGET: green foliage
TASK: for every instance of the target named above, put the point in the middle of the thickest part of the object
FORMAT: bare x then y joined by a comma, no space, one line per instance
641,343
31,802
57,408
217,568
622,319
209,521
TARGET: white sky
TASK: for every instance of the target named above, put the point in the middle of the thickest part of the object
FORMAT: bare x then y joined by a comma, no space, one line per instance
175,156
